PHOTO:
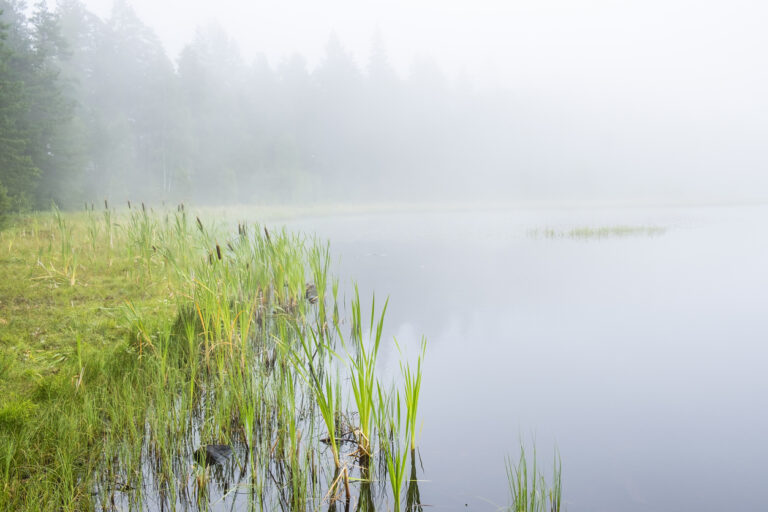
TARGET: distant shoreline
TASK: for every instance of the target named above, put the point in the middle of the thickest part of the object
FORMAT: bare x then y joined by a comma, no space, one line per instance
288,212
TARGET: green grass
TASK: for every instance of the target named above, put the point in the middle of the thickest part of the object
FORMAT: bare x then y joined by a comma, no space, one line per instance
128,339
528,488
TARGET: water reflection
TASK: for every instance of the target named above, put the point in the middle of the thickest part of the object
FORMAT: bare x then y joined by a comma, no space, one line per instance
412,496
365,502
640,357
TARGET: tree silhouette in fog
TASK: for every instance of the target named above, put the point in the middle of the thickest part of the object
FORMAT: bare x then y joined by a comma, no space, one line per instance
95,108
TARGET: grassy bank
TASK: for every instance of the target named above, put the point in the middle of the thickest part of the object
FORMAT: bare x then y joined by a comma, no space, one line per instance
131,342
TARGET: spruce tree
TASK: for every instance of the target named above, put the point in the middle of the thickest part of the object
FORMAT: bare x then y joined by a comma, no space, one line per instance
18,174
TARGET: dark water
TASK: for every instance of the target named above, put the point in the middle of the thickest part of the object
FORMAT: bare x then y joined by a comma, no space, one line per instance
642,358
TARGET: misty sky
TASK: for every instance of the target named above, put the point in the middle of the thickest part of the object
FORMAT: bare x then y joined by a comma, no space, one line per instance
671,86
656,46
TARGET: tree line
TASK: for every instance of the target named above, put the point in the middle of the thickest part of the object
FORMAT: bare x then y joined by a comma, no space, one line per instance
95,108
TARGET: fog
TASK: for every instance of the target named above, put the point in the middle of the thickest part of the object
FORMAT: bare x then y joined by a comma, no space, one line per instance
652,101
627,330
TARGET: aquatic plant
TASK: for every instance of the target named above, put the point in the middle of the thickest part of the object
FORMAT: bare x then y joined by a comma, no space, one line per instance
178,332
363,369
412,385
596,233
394,435
529,491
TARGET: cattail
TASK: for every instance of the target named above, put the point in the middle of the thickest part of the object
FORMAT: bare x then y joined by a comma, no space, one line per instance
200,225
267,234
218,252
129,204
106,205
143,208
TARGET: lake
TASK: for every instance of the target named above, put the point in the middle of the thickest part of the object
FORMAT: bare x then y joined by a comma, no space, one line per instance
640,355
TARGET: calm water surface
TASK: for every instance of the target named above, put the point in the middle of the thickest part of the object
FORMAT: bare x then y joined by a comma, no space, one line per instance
642,358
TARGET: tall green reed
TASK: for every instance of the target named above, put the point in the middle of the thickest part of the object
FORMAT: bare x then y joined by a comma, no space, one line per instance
412,389
529,491
243,356
394,435
363,370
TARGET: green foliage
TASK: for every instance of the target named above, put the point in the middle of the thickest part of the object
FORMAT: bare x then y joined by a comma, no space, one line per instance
14,414
5,204
127,337
17,171
35,119
529,491
363,368
412,384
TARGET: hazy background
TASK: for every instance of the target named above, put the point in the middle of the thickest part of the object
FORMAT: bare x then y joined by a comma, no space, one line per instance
301,101
638,356
636,98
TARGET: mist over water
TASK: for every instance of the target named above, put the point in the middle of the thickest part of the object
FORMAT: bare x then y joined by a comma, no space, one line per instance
639,357
571,202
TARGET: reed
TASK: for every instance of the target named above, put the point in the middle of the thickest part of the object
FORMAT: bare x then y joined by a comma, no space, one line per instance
176,333
412,389
598,232
529,491
363,371
394,437
326,391
108,223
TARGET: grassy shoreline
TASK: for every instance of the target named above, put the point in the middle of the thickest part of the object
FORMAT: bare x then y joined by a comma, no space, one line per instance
64,347
131,341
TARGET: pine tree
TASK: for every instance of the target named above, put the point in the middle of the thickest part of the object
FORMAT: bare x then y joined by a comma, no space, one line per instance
18,174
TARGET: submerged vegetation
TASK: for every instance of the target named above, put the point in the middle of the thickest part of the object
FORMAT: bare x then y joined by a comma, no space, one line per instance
586,232
152,360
